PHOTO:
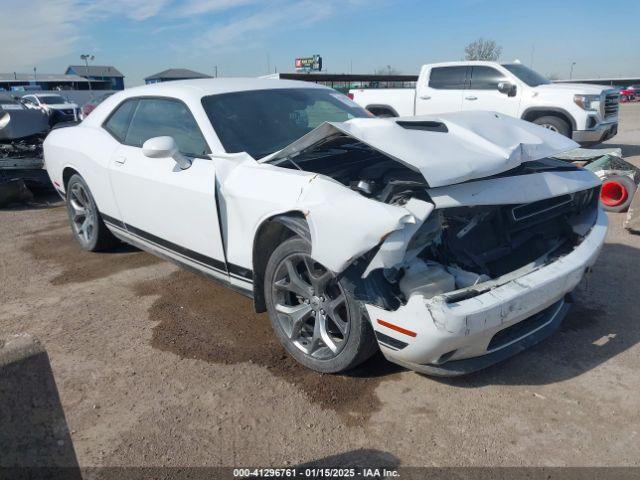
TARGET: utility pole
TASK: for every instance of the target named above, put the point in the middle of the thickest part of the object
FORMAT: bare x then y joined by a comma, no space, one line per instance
571,71
35,77
86,57
216,71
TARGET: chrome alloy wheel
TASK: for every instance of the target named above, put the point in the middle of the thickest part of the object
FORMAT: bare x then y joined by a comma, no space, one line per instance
548,126
83,214
311,306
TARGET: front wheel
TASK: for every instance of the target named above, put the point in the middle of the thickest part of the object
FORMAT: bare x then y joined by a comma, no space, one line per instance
555,124
86,223
315,316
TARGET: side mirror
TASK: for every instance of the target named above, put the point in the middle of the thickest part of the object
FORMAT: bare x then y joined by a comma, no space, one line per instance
165,147
507,88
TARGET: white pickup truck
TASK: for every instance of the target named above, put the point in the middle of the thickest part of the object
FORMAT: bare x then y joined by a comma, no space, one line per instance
586,113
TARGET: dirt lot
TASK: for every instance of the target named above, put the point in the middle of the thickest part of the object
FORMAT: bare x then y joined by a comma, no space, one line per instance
156,366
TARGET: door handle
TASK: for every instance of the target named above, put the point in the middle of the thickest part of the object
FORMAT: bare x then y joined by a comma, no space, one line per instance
471,97
425,97
121,160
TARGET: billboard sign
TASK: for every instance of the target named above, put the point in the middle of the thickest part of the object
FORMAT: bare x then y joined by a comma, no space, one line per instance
309,64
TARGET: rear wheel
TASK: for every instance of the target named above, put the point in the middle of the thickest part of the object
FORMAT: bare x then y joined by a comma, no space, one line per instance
86,223
616,193
555,124
314,315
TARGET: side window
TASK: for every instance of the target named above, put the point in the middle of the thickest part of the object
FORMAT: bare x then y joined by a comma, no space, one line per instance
448,78
118,122
159,117
485,78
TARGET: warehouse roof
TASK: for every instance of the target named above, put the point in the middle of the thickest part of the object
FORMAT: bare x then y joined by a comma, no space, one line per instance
177,74
95,71
40,77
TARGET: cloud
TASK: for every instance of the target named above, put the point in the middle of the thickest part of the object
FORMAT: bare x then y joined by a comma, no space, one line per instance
274,16
49,29
132,9
198,7
28,35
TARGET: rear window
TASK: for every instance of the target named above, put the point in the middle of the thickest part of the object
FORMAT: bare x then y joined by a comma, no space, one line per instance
118,122
448,78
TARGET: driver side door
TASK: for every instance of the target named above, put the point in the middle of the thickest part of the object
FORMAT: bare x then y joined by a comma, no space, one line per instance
169,210
483,93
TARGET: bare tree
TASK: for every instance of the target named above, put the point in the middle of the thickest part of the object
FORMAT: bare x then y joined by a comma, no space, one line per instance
388,70
553,76
482,49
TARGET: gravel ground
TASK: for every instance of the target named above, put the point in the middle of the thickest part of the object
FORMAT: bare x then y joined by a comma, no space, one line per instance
156,366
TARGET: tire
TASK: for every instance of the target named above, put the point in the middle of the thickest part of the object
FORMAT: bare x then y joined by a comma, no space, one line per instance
617,193
87,225
331,335
555,124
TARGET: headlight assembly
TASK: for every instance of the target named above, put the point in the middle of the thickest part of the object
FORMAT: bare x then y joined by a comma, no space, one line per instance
587,102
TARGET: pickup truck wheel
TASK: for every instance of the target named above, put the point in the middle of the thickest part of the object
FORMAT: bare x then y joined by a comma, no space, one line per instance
86,223
617,193
555,124
316,318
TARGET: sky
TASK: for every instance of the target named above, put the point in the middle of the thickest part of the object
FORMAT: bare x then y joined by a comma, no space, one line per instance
256,37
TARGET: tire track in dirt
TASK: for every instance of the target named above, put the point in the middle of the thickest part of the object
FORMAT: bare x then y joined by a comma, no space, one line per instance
202,320
79,266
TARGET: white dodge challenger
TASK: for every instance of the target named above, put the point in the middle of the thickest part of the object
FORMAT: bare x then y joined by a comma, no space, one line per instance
449,242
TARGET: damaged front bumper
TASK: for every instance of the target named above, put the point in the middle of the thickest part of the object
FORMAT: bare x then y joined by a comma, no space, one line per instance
445,336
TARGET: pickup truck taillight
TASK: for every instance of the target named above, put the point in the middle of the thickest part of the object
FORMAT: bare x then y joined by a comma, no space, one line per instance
350,95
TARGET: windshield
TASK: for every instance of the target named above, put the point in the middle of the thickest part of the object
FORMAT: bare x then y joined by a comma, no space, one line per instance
261,122
528,76
52,99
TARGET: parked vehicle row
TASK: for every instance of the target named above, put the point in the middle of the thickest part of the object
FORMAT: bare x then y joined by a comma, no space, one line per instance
448,241
630,93
586,113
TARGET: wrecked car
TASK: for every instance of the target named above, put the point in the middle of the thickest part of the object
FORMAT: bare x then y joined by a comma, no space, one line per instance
21,134
449,242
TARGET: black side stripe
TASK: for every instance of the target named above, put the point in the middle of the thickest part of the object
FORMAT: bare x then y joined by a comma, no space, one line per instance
112,220
234,270
390,342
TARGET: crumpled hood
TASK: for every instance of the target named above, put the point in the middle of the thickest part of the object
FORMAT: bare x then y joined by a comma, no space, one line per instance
447,148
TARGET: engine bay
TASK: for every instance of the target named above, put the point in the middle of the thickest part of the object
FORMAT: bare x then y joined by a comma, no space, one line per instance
361,168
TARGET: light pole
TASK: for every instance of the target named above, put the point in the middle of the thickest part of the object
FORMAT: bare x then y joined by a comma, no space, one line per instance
86,58
571,71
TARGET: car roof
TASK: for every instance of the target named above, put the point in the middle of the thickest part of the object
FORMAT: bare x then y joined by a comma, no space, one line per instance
192,91
463,63
213,86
